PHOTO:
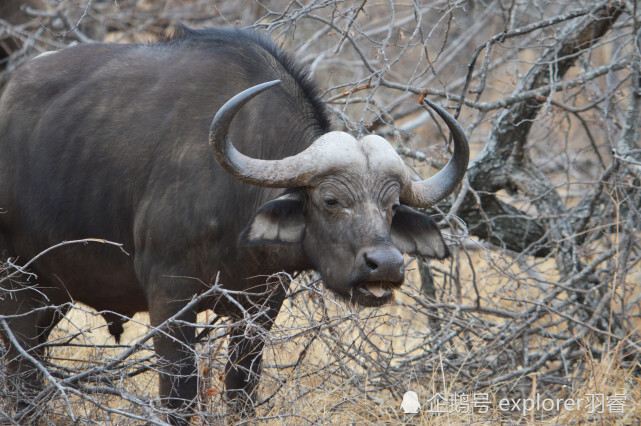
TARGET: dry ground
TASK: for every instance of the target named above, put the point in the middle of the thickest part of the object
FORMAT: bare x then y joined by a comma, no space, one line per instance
327,362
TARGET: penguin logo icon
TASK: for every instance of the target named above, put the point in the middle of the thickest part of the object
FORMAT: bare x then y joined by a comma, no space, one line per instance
410,404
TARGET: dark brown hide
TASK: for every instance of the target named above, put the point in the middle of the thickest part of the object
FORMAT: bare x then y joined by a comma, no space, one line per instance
110,141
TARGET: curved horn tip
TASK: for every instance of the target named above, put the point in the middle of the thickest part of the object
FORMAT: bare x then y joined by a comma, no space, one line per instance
443,113
430,191
232,106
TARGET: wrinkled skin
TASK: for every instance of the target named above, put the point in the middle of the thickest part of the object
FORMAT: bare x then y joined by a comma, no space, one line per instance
110,141
354,209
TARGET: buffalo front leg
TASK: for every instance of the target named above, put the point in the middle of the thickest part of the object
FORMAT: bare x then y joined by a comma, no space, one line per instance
173,342
245,353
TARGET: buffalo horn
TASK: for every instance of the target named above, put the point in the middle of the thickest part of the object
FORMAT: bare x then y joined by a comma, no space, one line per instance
286,173
426,193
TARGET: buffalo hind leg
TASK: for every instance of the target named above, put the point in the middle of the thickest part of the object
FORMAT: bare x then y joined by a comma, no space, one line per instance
25,330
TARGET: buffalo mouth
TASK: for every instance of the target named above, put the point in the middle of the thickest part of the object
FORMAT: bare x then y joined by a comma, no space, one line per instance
373,293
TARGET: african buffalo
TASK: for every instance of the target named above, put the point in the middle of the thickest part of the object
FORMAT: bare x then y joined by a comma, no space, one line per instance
110,141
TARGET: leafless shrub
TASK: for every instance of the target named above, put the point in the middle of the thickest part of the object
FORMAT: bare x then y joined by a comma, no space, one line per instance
541,294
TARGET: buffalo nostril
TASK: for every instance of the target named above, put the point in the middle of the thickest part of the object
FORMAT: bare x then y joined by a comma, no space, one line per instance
371,263
384,263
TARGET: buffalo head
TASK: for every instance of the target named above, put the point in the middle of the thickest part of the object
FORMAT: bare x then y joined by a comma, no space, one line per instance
347,204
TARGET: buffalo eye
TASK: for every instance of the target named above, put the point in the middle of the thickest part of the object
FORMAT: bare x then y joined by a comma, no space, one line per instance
331,202
390,212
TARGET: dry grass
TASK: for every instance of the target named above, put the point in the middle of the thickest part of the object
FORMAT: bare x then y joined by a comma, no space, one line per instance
330,363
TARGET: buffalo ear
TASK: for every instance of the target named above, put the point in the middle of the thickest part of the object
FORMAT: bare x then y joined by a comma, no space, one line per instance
279,221
417,234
